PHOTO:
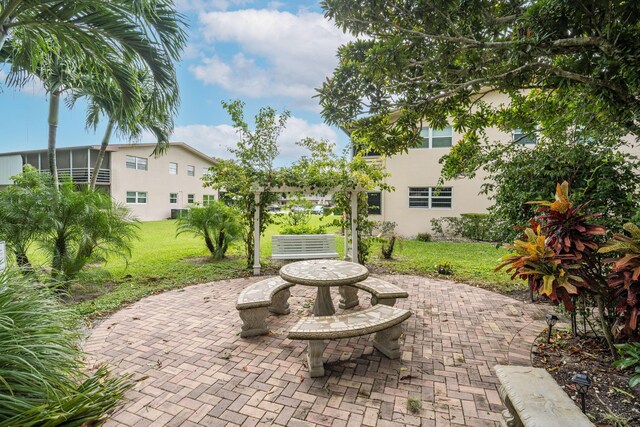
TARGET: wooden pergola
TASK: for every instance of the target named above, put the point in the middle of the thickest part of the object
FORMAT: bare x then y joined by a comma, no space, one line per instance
350,250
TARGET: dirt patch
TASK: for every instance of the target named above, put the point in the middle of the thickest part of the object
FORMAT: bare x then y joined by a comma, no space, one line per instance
200,260
610,401
89,291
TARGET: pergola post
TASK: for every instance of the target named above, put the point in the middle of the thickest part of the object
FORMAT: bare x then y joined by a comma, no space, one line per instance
256,235
345,232
354,225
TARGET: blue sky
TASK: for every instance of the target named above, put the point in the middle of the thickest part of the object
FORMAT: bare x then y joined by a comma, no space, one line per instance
263,52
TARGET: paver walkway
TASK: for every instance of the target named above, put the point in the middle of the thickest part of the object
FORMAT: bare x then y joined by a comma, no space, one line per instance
200,372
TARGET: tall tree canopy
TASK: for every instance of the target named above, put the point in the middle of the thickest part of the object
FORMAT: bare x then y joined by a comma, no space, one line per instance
437,59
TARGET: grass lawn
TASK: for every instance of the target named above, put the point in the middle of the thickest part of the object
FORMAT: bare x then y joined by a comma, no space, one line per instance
161,261
472,262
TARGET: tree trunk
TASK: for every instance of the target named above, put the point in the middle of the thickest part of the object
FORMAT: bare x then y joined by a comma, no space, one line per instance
3,37
209,243
103,149
606,329
54,108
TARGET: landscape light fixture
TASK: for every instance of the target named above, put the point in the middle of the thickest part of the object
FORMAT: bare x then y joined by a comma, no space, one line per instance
551,320
582,382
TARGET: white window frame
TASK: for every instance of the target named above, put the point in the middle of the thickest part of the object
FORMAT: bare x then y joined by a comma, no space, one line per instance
139,163
429,138
207,199
433,193
137,196
191,170
173,198
191,199
171,172
524,136
206,171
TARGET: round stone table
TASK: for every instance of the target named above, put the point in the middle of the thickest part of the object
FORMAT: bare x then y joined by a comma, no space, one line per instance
323,274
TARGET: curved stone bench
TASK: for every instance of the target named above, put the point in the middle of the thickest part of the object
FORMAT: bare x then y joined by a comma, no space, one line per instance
381,319
534,399
257,300
382,292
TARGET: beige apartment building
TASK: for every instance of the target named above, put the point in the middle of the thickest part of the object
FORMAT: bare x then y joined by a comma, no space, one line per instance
154,188
415,176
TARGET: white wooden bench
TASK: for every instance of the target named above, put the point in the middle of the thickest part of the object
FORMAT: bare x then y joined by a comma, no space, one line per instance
382,320
382,292
257,300
303,246
534,399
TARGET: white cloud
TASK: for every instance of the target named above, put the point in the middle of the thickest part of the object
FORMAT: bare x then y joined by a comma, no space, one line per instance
215,140
212,140
281,54
200,5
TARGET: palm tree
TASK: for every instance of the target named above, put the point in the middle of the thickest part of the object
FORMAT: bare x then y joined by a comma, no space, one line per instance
102,37
153,111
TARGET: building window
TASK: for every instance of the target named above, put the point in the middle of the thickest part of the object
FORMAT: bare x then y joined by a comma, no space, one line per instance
436,138
191,170
430,197
206,171
208,199
173,168
374,203
173,198
355,149
522,138
137,197
134,162
191,198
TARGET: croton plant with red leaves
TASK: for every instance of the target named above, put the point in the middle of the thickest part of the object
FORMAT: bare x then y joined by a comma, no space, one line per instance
624,279
566,227
546,272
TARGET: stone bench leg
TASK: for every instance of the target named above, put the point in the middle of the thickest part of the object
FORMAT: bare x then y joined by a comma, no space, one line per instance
384,301
349,297
510,416
280,304
254,322
387,341
314,358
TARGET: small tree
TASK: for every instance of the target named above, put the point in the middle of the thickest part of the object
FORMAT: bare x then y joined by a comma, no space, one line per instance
251,170
299,212
216,223
387,237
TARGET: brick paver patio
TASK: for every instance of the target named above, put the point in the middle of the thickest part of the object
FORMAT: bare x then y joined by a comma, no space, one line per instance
198,371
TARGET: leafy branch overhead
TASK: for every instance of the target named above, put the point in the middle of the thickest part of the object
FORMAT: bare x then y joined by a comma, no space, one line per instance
437,60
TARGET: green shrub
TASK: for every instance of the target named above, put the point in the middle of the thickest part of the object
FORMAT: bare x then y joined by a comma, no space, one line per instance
447,226
303,229
630,359
423,237
82,224
217,223
41,369
444,267
476,226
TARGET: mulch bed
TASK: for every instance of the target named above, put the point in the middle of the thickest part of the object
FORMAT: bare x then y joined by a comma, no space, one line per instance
610,401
